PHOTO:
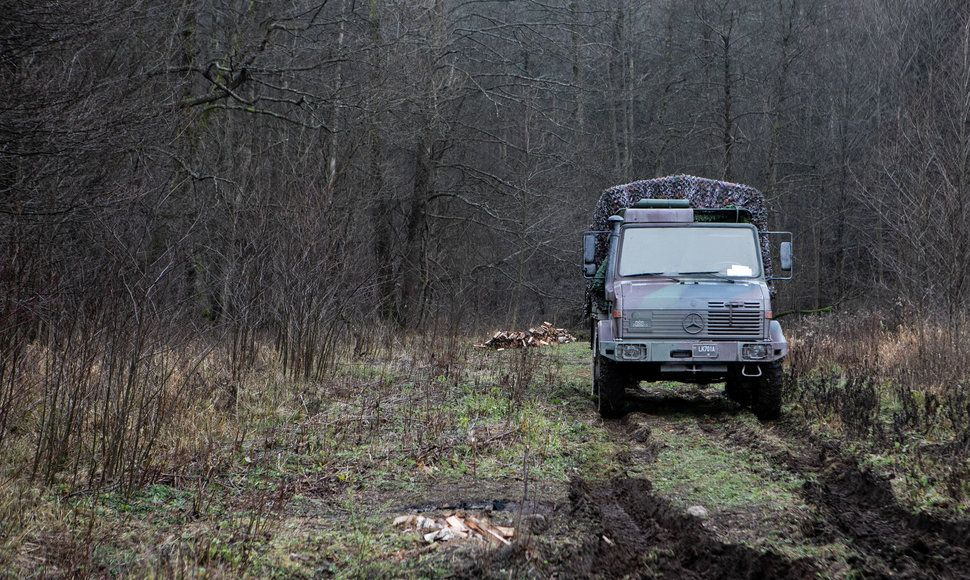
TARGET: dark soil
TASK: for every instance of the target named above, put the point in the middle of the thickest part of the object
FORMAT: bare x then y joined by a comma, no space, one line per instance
861,507
858,507
622,529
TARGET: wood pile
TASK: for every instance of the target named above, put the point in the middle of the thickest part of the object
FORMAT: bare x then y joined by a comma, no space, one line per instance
456,526
544,335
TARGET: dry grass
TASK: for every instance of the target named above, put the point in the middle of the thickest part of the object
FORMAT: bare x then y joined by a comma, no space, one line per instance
153,454
900,392
149,453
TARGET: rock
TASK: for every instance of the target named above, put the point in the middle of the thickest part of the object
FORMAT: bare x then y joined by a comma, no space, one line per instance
697,511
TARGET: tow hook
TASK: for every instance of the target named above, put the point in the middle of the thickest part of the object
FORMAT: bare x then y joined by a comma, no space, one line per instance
746,373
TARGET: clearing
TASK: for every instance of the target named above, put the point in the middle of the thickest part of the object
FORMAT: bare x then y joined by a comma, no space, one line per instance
312,480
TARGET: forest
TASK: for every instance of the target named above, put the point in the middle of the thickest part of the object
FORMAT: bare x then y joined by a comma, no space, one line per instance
312,169
303,183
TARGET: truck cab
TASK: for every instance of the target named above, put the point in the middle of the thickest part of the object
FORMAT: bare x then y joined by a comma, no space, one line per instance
683,294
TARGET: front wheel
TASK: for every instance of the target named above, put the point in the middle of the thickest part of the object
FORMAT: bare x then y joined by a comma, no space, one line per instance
609,385
766,392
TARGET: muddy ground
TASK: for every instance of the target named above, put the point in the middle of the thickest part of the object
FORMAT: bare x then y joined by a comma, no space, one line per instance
851,526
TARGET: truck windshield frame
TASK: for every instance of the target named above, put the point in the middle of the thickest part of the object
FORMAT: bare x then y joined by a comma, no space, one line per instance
697,249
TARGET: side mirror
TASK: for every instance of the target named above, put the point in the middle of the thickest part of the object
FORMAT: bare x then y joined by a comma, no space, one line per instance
783,253
589,254
784,256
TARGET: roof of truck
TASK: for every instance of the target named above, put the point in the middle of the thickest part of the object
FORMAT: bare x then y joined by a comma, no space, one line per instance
698,191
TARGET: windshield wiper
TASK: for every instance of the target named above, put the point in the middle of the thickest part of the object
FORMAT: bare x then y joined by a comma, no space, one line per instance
713,273
653,275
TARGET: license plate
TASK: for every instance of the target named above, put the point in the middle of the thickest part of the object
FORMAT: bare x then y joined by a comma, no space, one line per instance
705,350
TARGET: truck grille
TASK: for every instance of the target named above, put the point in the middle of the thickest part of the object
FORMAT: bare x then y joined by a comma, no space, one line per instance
720,304
738,320
728,323
734,319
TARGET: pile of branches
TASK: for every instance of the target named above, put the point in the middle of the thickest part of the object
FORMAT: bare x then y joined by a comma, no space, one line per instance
544,335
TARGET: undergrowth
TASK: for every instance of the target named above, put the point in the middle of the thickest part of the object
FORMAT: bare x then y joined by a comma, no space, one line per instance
172,458
152,453
896,391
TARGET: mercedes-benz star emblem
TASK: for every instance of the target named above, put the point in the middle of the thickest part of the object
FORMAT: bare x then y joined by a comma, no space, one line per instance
693,323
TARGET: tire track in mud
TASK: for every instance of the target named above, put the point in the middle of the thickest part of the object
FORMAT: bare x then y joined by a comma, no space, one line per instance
660,539
855,507
859,508
625,528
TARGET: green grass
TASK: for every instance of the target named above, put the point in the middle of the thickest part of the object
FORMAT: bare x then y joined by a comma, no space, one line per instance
302,479
691,470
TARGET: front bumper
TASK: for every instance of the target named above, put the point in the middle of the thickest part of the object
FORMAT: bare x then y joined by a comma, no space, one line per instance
698,354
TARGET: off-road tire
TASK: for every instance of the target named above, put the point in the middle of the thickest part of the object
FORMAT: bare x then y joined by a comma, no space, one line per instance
609,384
610,388
766,392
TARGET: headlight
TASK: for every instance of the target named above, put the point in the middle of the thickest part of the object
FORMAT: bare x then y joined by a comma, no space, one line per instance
631,351
754,351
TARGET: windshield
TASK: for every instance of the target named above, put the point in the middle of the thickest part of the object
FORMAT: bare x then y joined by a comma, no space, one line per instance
726,251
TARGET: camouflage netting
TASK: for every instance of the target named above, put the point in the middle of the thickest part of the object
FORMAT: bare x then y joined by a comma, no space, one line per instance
700,192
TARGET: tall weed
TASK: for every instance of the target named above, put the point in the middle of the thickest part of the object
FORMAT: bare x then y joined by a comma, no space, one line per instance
898,388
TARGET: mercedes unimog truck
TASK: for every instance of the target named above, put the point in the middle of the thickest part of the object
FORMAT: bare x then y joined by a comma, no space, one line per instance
680,288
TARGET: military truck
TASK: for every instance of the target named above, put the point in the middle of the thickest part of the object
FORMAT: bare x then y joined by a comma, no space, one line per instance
680,287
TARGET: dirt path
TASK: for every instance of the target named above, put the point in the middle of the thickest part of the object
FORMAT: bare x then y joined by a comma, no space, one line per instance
839,521
859,509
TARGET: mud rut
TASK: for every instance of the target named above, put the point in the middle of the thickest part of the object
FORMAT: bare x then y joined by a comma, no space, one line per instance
621,528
